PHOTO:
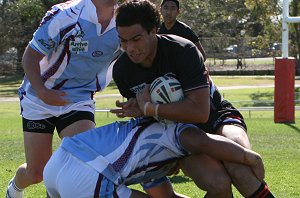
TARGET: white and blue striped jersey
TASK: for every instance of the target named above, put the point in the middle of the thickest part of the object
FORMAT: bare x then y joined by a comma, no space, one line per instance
77,50
137,151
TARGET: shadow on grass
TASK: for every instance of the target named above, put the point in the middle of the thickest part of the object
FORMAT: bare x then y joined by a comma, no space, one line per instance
11,80
9,85
179,179
262,98
293,126
9,92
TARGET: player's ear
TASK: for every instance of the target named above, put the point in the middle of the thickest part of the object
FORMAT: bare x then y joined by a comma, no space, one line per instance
153,31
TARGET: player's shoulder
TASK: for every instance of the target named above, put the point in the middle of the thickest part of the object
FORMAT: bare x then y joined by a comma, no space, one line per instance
174,42
72,5
183,25
68,11
122,62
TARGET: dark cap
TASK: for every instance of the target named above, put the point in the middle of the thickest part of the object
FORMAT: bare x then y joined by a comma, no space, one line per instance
175,1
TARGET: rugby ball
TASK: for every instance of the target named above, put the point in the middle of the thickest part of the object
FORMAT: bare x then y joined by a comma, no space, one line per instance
165,89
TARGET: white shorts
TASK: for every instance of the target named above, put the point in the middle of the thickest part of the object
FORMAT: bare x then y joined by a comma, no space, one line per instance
35,109
80,180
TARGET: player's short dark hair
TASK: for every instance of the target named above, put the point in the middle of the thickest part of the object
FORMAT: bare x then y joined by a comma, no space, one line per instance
140,12
175,1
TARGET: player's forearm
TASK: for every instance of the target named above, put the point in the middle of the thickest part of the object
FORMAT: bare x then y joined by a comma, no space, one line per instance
194,108
227,150
180,112
197,141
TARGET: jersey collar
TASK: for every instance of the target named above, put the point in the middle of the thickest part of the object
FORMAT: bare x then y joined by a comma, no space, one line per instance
91,11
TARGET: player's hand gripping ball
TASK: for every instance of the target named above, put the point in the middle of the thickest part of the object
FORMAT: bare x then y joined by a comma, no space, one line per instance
165,89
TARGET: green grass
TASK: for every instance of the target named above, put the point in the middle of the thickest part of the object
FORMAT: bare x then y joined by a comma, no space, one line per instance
279,144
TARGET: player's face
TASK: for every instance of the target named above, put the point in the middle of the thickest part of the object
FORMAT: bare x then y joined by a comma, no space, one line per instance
169,11
139,45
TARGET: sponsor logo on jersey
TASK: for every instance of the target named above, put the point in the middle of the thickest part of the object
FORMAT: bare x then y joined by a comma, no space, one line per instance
138,88
79,46
79,34
47,44
97,53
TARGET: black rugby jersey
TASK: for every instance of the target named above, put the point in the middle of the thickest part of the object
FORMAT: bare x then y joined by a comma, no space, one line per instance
174,55
181,57
180,29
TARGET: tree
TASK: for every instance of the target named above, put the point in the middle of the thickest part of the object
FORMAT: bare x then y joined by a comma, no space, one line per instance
231,19
22,17
295,32
223,21
4,45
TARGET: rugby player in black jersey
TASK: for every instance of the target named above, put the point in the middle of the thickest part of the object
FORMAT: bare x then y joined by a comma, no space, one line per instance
147,56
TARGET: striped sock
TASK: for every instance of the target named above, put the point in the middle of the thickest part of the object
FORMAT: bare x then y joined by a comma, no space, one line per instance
13,190
15,186
262,192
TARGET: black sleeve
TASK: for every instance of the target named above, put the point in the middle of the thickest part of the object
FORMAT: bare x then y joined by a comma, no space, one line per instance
191,70
120,82
190,34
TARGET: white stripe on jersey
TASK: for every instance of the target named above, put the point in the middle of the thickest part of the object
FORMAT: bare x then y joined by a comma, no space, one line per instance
77,54
133,153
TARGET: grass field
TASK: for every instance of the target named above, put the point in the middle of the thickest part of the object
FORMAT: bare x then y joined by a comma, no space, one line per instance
279,144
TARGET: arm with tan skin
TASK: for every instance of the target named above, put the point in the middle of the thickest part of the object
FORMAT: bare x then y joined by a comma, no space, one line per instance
197,141
190,105
31,65
129,108
194,108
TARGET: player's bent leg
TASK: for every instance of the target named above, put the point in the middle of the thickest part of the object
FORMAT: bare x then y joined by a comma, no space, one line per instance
235,133
38,149
238,172
77,127
208,174
75,122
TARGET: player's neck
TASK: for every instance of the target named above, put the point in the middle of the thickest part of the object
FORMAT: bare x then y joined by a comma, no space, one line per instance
170,24
105,11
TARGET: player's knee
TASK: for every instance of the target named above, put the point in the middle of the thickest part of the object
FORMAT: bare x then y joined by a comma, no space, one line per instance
240,138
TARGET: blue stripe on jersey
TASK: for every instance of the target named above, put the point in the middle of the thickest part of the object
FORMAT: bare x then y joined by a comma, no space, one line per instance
77,52
128,153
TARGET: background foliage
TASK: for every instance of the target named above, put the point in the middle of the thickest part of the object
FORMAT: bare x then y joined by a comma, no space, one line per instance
255,24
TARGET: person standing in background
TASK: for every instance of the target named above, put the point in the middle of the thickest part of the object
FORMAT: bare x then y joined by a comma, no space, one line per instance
65,63
169,10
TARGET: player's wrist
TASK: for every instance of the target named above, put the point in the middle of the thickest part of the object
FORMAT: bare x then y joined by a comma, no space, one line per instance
150,109
41,92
